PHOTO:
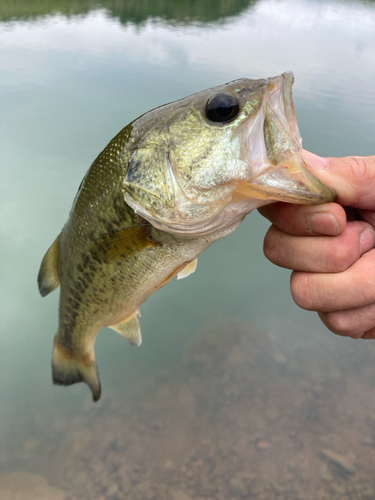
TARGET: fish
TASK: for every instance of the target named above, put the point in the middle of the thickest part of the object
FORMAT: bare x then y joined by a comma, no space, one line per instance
165,188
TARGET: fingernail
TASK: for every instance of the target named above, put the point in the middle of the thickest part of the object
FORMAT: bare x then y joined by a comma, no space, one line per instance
367,241
314,161
323,223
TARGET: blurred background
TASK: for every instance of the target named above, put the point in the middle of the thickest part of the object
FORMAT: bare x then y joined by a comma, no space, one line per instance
235,393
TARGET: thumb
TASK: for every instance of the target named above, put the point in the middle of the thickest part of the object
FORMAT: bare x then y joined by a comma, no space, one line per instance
353,178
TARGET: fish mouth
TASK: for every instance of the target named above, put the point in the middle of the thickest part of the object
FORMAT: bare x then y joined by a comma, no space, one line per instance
278,172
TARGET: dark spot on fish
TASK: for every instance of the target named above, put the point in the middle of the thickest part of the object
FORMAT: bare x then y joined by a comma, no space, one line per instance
92,267
80,288
74,303
110,227
95,255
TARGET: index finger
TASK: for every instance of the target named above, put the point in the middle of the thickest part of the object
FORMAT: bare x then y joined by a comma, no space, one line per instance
301,220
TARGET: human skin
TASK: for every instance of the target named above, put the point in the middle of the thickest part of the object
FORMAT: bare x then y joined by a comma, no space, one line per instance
331,249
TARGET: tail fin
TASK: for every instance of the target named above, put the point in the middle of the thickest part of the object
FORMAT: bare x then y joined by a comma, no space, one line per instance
68,370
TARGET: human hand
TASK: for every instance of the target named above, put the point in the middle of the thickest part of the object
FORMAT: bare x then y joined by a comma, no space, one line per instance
331,250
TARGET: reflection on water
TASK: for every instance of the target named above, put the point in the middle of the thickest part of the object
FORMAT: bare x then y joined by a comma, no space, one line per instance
128,11
269,406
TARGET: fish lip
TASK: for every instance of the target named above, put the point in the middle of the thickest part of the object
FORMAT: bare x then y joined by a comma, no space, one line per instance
290,111
278,172
283,86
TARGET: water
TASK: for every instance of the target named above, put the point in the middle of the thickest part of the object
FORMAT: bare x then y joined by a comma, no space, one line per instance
71,77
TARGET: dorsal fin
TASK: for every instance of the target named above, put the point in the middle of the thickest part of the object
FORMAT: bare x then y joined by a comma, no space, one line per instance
188,269
49,272
130,328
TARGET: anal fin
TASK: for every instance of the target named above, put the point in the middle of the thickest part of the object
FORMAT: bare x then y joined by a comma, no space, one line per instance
130,328
49,273
188,269
68,370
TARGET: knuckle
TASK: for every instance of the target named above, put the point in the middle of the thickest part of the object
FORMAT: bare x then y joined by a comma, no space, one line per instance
302,291
338,323
362,169
266,211
367,290
269,245
272,245
348,323
341,254
339,257
367,279
358,168
364,321
369,334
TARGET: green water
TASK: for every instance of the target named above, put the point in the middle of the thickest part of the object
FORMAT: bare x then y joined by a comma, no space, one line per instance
72,75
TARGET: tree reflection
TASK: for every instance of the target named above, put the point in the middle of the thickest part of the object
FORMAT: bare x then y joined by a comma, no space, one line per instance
134,11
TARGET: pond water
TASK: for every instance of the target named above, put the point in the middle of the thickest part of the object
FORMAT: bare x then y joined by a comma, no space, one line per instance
235,392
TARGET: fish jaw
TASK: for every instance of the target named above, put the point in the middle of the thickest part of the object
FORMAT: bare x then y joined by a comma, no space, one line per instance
290,182
277,171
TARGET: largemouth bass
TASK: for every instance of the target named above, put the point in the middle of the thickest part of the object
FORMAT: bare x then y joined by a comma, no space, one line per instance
170,184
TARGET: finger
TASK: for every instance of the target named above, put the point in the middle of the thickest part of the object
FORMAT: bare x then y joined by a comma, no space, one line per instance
367,216
353,178
330,292
370,334
355,323
328,219
319,254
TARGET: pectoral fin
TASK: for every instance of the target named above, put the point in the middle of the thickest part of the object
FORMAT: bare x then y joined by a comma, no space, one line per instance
124,242
130,328
49,272
188,269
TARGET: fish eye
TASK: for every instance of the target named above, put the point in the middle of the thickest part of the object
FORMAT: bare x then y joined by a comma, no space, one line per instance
222,107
